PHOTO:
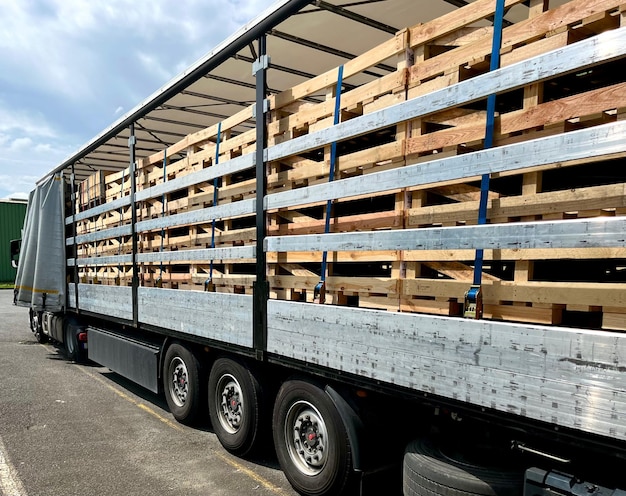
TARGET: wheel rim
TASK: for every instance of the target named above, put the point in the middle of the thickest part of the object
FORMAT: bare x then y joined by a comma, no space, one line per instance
179,385
229,402
306,437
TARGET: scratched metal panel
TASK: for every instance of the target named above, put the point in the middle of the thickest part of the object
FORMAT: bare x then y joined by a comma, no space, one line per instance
220,253
112,301
219,316
601,232
223,169
114,232
100,209
581,144
235,209
568,377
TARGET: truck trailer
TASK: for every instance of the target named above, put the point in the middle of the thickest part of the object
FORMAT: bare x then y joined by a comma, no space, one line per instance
366,233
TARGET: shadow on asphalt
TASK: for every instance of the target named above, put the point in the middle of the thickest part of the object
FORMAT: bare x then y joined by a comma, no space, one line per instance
265,457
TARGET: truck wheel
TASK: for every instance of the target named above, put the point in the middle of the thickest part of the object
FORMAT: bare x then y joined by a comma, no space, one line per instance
181,382
35,326
235,405
311,440
70,340
431,468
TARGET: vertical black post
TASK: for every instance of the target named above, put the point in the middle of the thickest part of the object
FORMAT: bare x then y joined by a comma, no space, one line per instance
132,140
261,287
75,247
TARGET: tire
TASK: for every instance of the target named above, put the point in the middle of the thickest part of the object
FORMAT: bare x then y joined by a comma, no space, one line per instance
235,405
181,383
35,326
73,351
431,469
311,441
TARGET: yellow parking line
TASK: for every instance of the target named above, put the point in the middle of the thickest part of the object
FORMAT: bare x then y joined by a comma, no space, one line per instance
222,456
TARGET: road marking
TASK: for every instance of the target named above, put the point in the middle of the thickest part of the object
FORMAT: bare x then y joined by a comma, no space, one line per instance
138,404
224,457
10,483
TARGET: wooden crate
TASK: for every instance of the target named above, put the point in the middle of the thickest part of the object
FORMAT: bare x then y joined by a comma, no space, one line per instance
571,287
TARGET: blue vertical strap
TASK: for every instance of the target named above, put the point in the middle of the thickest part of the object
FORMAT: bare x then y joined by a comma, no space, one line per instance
320,288
473,294
159,281
209,281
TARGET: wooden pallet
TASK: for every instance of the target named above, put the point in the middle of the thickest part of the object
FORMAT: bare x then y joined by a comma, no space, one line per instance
518,285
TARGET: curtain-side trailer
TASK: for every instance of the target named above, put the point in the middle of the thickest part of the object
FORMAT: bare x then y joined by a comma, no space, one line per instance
418,252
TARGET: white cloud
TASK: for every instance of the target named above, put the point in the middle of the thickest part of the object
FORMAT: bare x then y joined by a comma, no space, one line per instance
67,63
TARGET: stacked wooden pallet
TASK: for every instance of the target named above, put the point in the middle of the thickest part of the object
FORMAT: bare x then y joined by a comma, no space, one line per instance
583,286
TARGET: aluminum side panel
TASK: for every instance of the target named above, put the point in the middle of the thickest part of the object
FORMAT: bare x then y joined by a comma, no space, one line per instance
113,301
219,316
567,377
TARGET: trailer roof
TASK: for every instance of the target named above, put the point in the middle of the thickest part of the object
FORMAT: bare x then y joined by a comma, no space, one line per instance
305,38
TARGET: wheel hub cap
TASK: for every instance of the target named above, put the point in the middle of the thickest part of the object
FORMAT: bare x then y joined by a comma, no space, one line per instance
180,385
309,439
230,402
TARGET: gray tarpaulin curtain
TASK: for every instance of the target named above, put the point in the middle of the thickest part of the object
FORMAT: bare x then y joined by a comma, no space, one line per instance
40,281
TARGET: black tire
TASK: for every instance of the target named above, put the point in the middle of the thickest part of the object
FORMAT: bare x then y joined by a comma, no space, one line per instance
235,405
35,326
73,351
311,441
430,469
181,383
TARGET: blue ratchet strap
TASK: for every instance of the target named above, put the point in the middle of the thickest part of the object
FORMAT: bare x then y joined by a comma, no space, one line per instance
208,283
159,281
319,293
473,297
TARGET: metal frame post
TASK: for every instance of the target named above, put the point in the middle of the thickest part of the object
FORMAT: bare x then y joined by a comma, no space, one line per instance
132,140
74,245
261,286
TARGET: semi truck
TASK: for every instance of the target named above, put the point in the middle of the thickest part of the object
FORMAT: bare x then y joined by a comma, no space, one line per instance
366,233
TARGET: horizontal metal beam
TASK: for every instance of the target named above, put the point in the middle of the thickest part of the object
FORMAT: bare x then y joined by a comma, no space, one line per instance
233,166
580,233
100,209
114,232
112,260
341,11
598,141
228,210
221,253
605,47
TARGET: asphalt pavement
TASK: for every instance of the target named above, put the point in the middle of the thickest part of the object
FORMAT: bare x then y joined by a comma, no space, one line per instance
68,429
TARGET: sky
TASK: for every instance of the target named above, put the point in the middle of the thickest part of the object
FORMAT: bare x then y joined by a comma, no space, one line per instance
70,68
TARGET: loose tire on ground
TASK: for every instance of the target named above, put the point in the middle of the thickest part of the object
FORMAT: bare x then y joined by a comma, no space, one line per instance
235,405
181,383
431,470
311,440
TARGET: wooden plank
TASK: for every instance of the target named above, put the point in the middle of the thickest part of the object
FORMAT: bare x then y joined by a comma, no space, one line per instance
521,32
570,293
594,197
200,137
457,19
378,54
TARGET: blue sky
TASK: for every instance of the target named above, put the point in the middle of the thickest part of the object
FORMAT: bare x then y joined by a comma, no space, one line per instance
69,68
